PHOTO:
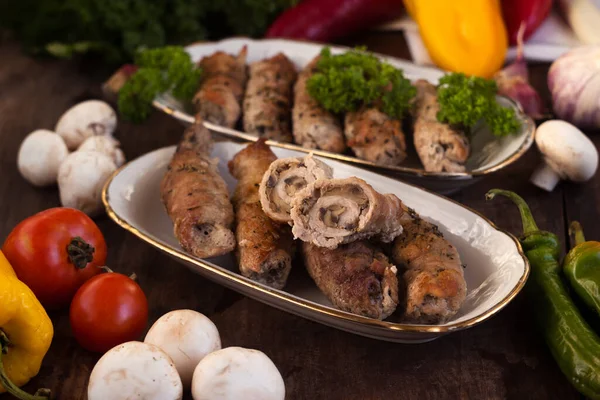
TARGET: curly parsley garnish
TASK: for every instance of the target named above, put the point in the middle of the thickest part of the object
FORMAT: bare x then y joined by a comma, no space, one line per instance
346,81
464,101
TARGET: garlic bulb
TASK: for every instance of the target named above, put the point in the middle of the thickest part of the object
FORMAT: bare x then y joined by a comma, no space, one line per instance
574,81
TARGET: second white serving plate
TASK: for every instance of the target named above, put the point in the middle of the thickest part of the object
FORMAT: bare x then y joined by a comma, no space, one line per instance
488,153
495,266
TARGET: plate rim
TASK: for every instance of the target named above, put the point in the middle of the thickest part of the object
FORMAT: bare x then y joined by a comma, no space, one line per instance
396,169
310,305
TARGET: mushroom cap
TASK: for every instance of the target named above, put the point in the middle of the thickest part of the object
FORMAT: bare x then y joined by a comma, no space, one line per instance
81,178
104,144
567,150
88,118
187,337
40,156
135,370
237,373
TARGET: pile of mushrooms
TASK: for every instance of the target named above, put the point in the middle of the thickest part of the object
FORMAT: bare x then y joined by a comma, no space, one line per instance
182,351
87,130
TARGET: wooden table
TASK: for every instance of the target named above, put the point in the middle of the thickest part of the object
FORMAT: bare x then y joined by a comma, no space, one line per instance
502,358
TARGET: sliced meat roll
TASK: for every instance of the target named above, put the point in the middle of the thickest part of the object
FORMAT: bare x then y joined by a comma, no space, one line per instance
265,247
355,277
268,100
440,146
314,127
331,212
196,197
432,272
284,179
375,137
222,88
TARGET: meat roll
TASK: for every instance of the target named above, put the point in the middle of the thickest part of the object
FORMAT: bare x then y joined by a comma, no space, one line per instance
284,179
355,277
331,212
264,249
222,88
196,197
268,100
375,137
314,127
439,146
432,272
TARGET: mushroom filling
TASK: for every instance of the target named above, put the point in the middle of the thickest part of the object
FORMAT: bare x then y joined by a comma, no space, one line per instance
338,211
290,182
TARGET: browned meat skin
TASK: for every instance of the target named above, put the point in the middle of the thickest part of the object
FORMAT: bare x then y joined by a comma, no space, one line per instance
432,272
196,197
440,147
268,100
331,212
314,127
265,247
355,277
222,88
375,137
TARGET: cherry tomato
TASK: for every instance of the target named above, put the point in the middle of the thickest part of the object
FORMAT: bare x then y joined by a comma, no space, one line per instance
108,310
54,252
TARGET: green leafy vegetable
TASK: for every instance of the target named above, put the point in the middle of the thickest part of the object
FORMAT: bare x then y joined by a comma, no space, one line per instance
346,81
466,100
117,29
160,70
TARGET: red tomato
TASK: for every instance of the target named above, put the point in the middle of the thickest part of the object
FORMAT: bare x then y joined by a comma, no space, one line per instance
108,310
54,252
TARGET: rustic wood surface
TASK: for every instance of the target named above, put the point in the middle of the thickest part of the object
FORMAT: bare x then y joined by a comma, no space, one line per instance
502,358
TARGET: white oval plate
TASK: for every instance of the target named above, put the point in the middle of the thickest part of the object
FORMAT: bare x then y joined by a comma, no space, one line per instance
489,154
496,268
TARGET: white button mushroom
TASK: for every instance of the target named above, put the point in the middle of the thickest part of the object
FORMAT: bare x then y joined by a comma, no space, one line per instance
40,156
81,178
568,154
135,370
106,145
236,373
89,118
187,337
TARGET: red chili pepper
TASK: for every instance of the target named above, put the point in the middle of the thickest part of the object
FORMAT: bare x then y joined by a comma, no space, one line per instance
326,20
532,12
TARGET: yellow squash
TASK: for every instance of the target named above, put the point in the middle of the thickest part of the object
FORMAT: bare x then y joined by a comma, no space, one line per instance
465,36
25,334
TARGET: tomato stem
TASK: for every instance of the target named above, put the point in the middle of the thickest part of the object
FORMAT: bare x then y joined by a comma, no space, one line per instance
576,233
80,252
41,394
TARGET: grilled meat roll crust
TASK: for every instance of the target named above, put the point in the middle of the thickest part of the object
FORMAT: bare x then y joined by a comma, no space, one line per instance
375,137
439,146
268,100
222,88
313,126
355,277
432,272
265,247
331,212
284,179
196,197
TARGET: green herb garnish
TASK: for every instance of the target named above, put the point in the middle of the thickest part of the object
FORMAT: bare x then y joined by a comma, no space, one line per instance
465,101
346,81
160,70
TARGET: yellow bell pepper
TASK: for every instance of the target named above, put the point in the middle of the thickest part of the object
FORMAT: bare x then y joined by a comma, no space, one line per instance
5,267
462,35
25,335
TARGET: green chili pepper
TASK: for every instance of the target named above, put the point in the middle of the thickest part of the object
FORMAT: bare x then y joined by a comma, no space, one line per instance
573,344
582,268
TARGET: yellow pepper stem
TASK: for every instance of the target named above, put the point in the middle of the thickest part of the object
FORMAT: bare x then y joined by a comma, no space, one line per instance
576,233
41,394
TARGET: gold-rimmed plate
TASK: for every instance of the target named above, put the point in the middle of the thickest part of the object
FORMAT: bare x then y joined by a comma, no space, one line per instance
489,153
495,267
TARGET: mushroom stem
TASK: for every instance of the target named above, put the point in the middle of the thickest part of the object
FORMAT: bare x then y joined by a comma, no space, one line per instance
545,177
